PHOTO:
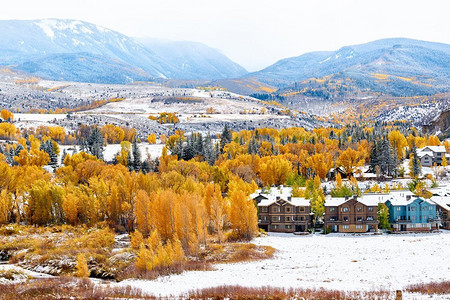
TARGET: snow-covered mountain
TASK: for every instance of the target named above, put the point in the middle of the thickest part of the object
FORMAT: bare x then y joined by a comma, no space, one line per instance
81,51
394,56
195,59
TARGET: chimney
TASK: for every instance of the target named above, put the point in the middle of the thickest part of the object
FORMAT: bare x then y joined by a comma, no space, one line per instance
289,198
355,197
278,197
346,198
408,197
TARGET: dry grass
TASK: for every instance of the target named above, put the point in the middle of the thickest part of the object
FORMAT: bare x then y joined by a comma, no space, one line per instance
236,252
240,292
441,288
66,288
133,272
58,247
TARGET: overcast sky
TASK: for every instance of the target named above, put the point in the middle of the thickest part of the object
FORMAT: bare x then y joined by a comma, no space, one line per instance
254,33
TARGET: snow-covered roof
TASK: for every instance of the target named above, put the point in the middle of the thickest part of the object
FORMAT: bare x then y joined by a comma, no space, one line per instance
266,202
300,201
334,201
424,153
374,199
403,201
443,202
294,201
432,148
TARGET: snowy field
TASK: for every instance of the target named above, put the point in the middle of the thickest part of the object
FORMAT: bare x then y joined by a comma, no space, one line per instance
334,261
154,150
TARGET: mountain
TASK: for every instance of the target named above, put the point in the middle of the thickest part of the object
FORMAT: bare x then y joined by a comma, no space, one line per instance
396,66
75,50
196,60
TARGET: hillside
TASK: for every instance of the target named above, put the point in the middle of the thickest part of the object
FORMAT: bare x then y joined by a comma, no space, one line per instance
397,67
79,51
195,60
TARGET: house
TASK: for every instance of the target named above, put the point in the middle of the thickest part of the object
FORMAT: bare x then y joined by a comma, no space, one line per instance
412,214
442,210
284,214
282,191
431,155
351,214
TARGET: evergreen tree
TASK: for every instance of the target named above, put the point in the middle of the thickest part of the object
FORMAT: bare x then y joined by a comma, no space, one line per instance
136,156
416,168
94,143
225,138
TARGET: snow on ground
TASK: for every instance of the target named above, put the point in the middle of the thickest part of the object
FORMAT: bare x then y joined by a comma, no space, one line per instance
154,150
334,261
22,274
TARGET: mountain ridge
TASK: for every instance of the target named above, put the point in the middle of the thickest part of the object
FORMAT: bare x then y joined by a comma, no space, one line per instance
25,43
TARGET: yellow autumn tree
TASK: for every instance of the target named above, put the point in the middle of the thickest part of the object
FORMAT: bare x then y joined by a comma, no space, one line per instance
398,143
349,160
82,267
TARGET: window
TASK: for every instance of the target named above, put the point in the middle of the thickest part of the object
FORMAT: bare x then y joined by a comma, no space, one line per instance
359,219
345,226
413,218
430,216
263,209
301,208
413,208
288,226
412,225
331,209
370,218
345,209
275,209
288,219
345,219
288,209
431,207
274,226
359,227
359,208
370,209
332,218
424,218
398,208
275,218
302,218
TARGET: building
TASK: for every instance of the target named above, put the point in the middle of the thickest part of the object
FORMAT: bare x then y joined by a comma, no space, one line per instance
351,214
412,214
431,155
284,214
442,210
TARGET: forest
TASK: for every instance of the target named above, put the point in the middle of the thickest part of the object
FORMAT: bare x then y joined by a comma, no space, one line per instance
197,192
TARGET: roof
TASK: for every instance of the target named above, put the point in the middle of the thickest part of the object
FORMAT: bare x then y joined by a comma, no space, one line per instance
300,201
293,201
432,148
443,202
374,199
400,201
334,201
424,153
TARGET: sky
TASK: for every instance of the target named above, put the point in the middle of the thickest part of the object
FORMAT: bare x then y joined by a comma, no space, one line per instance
254,33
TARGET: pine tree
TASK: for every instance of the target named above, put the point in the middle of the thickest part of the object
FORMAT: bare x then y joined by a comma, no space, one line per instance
94,143
137,165
226,138
416,168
